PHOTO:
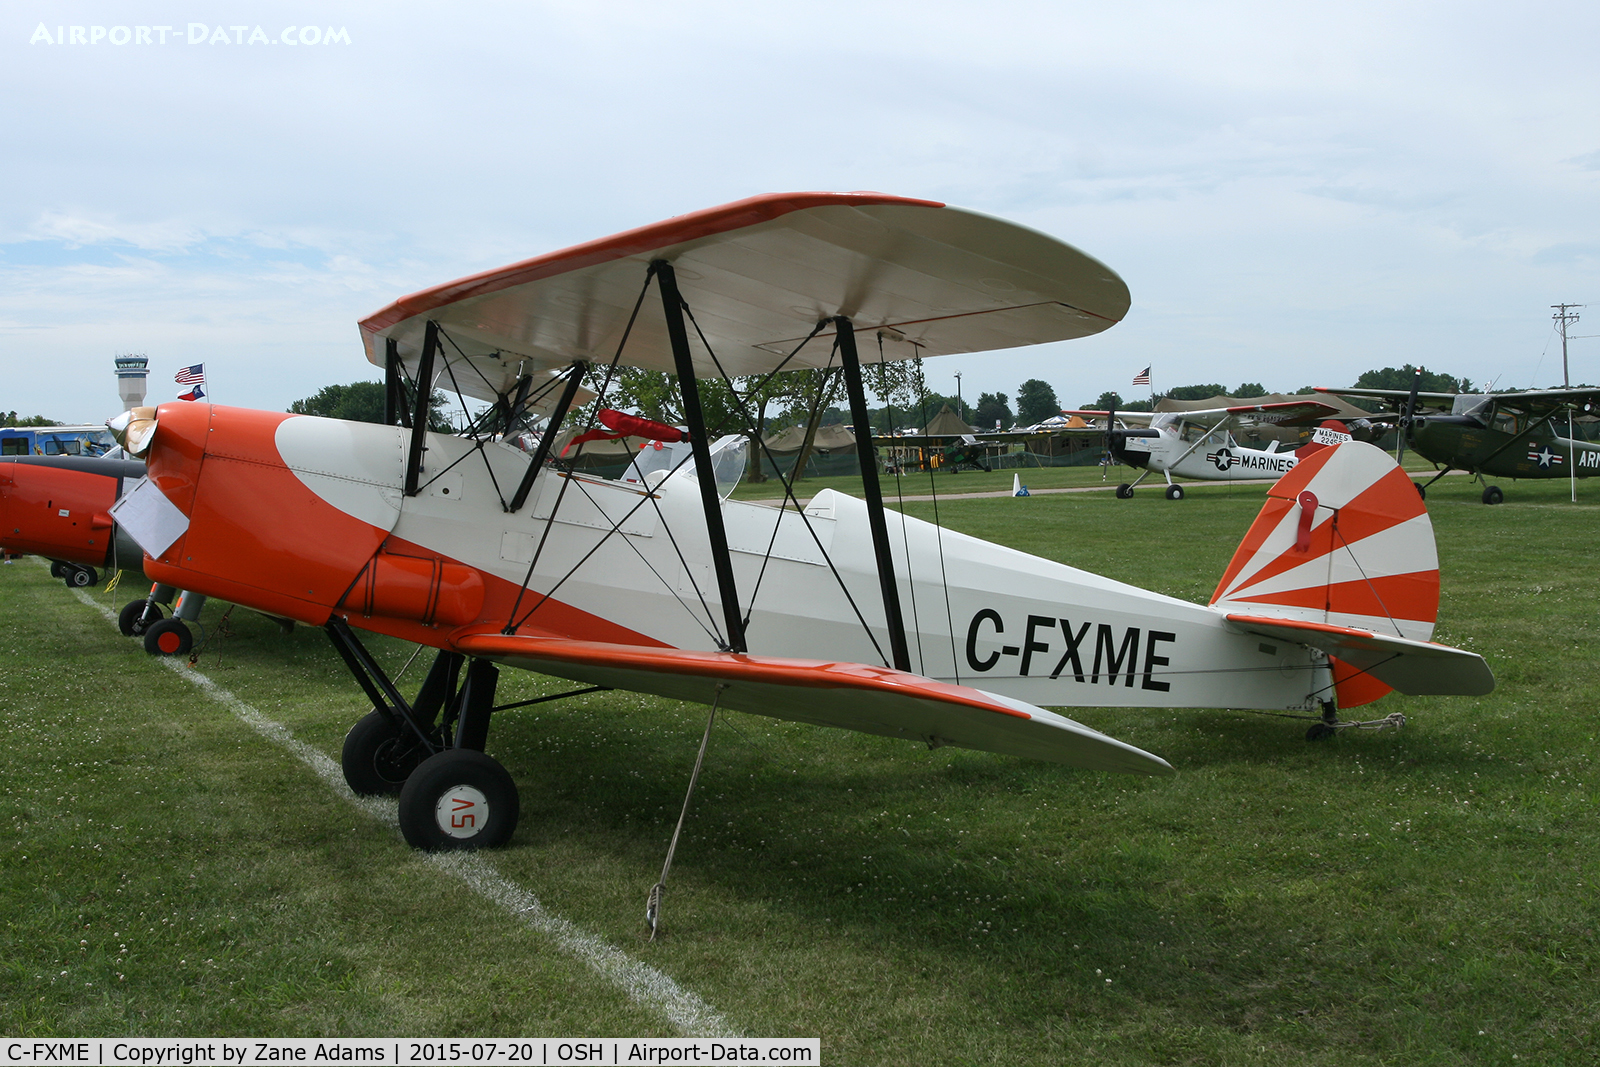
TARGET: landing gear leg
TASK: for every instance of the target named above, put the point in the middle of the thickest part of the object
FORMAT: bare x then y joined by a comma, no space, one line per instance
452,795
461,798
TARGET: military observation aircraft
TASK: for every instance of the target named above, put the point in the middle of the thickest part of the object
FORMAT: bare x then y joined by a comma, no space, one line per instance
1200,443
1502,435
834,612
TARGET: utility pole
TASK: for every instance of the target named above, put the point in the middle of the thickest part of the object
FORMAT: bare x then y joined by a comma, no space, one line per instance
961,414
1565,318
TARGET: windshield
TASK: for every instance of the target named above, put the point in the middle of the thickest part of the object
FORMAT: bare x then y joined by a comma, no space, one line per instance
1471,404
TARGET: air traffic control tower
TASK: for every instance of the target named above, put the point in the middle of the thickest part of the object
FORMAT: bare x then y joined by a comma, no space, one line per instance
131,372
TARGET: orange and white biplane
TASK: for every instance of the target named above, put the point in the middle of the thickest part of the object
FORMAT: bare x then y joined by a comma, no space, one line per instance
494,549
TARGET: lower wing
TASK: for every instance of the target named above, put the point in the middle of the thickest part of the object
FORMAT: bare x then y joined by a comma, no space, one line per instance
874,700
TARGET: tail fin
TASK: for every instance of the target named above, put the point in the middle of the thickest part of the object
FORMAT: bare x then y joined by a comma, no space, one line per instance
1343,552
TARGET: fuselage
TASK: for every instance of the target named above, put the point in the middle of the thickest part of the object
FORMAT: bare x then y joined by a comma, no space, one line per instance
1503,445
58,507
306,517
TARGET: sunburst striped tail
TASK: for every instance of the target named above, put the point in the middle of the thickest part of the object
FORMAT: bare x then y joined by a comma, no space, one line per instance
1343,544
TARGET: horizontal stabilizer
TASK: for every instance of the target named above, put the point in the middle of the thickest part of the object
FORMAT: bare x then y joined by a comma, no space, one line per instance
1420,668
874,700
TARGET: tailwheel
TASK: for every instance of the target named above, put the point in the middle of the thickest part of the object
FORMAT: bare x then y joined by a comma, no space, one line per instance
1422,490
169,637
137,616
1329,724
1124,491
379,755
1493,494
458,799
1174,492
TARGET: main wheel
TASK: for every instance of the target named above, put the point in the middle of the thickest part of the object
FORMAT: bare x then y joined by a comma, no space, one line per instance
133,621
1493,495
458,799
58,569
379,755
1124,491
81,577
169,637
1174,492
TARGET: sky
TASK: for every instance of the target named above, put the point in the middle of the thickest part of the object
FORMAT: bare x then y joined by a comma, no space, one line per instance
1294,193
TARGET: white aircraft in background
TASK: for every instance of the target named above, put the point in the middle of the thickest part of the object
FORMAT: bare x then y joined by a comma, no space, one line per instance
1201,445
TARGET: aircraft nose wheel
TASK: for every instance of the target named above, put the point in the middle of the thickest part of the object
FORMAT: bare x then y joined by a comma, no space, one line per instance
1174,492
133,621
379,755
169,637
1124,491
458,799
1493,495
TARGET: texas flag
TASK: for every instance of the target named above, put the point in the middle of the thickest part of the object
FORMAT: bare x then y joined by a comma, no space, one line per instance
191,376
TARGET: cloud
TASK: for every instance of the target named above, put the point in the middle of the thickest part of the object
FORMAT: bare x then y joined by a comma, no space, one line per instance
1306,190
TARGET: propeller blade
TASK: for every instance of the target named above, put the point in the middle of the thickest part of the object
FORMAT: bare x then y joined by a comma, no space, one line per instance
1405,418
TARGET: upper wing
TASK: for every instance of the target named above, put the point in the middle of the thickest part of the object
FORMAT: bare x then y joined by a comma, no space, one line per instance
1288,413
874,700
939,440
1540,401
1398,395
759,274
1140,418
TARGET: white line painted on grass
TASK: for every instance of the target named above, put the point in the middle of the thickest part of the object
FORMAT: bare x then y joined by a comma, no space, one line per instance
642,983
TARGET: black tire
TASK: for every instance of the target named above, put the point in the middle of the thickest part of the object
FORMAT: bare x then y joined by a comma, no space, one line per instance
58,569
81,577
1320,731
458,786
1422,490
1124,491
169,637
379,755
1174,492
1493,494
133,621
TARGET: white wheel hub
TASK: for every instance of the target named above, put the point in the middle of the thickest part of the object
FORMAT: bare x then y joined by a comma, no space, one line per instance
462,811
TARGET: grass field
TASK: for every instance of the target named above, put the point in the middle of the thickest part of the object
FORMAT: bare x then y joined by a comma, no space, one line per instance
1425,896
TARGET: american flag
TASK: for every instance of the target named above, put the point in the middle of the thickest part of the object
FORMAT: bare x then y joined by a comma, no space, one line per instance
1142,378
194,375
